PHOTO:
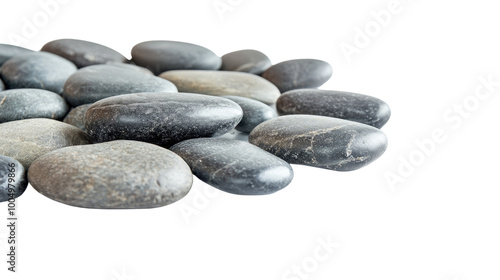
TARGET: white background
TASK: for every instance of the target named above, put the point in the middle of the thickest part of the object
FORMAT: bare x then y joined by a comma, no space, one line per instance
441,223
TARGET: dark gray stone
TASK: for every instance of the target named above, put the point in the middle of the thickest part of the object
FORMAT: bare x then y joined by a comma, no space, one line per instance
83,53
161,118
249,61
2,86
235,135
131,67
97,82
319,141
76,116
299,73
161,56
337,104
37,70
27,103
115,175
235,166
221,83
9,51
254,113
26,140
13,181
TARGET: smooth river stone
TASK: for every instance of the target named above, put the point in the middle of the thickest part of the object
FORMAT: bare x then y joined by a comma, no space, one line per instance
83,53
249,61
224,83
115,175
319,141
37,70
97,82
2,86
254,113
299,73
161,56
9,51
27,103
76,116
161,118
26,140
18,182
337,104
234,166
131,67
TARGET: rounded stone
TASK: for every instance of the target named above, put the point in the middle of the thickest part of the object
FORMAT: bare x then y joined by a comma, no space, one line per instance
235,166
2,86
249,61
254,113
114,175
13,181
130,66
9,51
76,116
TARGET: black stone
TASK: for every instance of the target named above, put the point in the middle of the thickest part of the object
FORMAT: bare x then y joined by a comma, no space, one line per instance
235,166
338,104
9,51
319,141
13,181
76,116
254,113
249,61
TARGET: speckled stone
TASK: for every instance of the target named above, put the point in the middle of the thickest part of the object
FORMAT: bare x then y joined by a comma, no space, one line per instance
37,70
26,140
18,183
254,113
224,83
319,141
76,116
235,135
114,175
299,73
161,118
9,51
337,104
2,86
83,53
161,56
27,103
249,61
235,166
97,82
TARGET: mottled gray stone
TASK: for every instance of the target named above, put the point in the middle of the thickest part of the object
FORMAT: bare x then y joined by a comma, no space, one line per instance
97,82
235,135
223,83
337,104
235,166
11,186
161,118
76,116
254,113
299,73
2,86
249,61
37,70
320,141
9,51
115,175
83,53
131,66
161,56
27,103
26,140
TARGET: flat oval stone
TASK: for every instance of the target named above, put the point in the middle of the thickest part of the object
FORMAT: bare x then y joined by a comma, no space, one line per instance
299,73
319,141
37,70
235,166
13,181
223,83
97,82
249,61
161,118
76,116
27,103
26,140
254,113
161,56
337,104
131,67
9,51
114,175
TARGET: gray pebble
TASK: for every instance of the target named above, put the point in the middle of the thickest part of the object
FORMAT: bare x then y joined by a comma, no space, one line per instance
76,116
254,113
13,181
249,61
9,51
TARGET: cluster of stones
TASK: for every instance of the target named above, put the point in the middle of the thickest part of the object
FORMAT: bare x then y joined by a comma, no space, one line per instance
87,127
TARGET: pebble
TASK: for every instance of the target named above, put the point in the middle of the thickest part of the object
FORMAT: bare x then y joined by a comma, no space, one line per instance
76,116
27,103
115,175
224,83
337,104
83,53
235,135
97,82
2,86
161,56
319,141
299,73
26,140
131,67
254,113
13,181
37,70
235,166
161,118
9,51
249,61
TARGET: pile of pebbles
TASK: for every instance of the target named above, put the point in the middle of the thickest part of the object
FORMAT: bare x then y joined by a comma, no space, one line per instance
87,127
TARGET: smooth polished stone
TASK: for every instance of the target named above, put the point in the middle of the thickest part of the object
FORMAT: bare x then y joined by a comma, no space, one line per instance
76,116
9,51
131,66
249,61
13,181
2,86
254,113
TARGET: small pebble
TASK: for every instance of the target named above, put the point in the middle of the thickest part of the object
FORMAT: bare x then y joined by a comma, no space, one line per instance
131,67
254,113
9,51
13,181
249,61
76,116
2,86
